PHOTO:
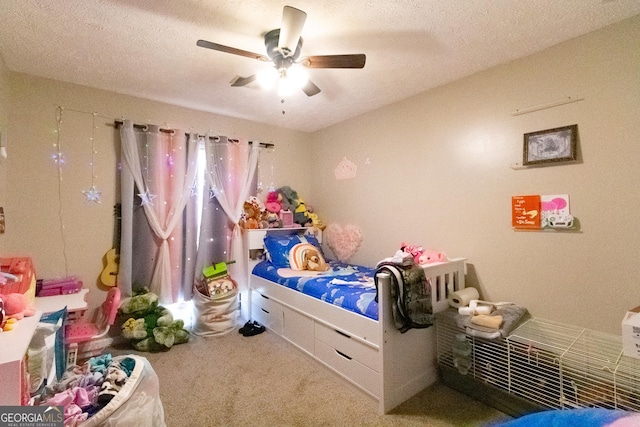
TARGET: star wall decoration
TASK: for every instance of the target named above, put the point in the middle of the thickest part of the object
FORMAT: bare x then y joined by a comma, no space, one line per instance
92,194
193,189
146,198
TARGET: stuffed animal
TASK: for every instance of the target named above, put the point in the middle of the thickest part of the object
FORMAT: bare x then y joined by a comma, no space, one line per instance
315,220
273,203
150,327
253,215
273,206
273,220
415,251
17,306
305,256
288,197
6,324
429,256
300,215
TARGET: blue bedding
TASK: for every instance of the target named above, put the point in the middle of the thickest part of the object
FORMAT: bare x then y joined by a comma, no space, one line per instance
348,286
595,417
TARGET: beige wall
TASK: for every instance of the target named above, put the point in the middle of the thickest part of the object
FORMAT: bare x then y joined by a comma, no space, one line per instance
47,216
435,170
4,124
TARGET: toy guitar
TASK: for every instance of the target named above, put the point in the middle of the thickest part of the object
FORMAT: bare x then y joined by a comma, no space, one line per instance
109,274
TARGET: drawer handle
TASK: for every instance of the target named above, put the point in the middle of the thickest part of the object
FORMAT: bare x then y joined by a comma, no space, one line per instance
343,355
343,334
264,296
264,310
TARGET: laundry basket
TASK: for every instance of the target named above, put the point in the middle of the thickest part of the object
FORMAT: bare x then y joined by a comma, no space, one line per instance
215,302
136,404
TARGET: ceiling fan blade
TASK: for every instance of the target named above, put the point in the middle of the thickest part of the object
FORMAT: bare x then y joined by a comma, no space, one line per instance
232,50
335,61
292,22
310,88
243,81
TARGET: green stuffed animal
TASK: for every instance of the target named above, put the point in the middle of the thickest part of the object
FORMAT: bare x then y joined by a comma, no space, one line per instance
139,305
149,326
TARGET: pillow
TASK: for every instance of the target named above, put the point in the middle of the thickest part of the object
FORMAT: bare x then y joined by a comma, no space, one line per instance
277,247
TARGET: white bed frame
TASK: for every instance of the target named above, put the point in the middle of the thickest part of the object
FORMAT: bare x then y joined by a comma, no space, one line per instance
373,355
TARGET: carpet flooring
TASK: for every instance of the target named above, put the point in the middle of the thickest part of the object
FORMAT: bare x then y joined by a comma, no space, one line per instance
232,380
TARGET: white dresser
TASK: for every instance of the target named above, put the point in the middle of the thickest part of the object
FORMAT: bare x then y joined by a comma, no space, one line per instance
13,369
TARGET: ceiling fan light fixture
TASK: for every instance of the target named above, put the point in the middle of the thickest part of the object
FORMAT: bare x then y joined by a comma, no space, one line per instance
292,23
267,77
285,87
297,75
283,50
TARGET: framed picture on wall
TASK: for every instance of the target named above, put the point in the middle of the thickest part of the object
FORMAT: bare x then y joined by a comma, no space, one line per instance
550,146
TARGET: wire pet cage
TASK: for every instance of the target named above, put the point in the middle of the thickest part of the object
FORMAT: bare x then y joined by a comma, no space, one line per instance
549,364
579,368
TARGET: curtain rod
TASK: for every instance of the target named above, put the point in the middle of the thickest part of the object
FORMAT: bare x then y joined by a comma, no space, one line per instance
118,123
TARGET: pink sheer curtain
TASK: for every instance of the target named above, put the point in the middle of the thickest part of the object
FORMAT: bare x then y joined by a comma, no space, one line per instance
158,244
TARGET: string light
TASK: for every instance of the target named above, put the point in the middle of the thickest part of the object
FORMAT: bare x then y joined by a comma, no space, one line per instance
59,161
57,157
92,194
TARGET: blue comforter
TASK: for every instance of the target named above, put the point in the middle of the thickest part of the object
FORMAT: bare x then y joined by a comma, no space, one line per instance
596,417
348,286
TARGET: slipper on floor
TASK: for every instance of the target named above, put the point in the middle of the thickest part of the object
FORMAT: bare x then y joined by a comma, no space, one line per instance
247,326
254,329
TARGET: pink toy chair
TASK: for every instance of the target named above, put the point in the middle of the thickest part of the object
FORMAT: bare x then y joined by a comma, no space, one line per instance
83,332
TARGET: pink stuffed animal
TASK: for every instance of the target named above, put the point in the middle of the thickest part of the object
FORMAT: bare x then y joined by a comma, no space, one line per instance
272,204
17,306
431,256
415,251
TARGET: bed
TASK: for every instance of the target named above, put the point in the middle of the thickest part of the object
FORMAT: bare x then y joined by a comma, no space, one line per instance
365,348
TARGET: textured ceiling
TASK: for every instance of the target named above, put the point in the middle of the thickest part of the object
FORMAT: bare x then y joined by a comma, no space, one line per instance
147,48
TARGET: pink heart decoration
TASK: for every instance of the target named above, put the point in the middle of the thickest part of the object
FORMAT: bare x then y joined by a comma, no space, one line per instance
344,242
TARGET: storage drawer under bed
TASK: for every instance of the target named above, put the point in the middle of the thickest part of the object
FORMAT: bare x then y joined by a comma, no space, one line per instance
350,368
267,312
357,350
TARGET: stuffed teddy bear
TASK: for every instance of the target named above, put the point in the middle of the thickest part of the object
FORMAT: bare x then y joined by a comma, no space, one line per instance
315,261
305,256
150,327
253,215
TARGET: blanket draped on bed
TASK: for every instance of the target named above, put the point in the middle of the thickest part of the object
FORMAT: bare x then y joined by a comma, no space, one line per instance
410,295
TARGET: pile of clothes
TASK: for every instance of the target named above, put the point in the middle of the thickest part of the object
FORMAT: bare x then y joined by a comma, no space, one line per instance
85,390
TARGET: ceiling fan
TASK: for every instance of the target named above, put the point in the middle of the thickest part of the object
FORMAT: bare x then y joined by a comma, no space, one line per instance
283,49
